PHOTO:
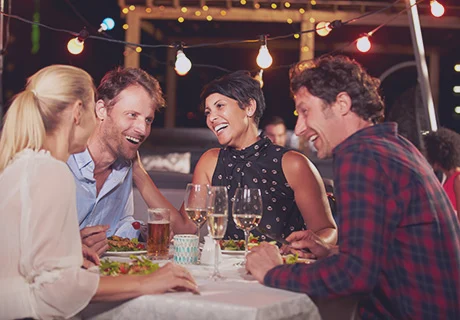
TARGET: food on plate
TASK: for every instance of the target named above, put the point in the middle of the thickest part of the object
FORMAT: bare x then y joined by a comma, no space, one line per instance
138,266
294,258
238,245
118,244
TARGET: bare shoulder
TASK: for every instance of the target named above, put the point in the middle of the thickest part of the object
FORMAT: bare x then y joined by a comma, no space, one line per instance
297,167
206,165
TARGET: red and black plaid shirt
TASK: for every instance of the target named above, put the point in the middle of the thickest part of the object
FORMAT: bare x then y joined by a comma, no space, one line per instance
398,234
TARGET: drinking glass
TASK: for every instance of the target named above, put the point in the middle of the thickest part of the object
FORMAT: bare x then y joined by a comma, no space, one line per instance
158,233
247,212
195,204
217,222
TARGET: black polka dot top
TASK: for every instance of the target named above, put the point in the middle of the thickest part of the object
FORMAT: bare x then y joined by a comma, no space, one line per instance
259,166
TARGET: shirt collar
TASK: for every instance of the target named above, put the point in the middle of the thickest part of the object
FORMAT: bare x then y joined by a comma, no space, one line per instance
377,130
83,159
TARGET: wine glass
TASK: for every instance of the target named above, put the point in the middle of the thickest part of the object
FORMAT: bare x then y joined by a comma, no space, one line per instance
217,222
195,204
247,212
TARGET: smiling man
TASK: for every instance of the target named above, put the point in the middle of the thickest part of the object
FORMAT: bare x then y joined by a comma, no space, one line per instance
399,236
126,103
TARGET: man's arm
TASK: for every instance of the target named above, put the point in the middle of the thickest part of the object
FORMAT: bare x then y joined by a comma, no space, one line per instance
310,195
154,199
356,266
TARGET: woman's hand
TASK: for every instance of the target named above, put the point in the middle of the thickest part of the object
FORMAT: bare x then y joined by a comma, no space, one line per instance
90,257
169,277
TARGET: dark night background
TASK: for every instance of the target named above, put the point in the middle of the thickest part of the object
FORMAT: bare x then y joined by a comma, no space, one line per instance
100,56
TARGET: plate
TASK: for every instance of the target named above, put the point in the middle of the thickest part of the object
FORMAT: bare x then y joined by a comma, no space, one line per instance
233,252
124,253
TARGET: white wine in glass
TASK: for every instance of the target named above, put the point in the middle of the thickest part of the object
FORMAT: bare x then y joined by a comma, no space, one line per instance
217,222
195,204
247,212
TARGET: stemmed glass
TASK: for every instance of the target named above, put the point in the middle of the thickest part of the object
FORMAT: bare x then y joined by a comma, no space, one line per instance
247,212
217,222
195,204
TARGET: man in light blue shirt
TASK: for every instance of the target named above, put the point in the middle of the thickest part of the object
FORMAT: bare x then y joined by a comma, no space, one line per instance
127,99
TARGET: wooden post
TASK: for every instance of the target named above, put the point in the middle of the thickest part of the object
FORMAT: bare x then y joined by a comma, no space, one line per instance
171,86
133,35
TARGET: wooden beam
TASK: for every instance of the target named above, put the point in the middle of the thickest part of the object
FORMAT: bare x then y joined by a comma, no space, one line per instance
133,35
281,16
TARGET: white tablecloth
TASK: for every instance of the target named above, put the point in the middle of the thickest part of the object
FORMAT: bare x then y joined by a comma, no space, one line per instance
238,297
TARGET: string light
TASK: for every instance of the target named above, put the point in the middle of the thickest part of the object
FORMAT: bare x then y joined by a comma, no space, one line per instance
125,26
457,109
77,44
180,19
264,59
323,28
183,64
132,7
125,10
457,67
107,25
183,9
437,9
363,44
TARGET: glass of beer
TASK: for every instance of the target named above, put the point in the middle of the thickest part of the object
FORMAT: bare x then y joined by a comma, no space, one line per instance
159,230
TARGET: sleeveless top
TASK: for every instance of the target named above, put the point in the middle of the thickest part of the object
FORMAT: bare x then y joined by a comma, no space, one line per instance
259,166
449,188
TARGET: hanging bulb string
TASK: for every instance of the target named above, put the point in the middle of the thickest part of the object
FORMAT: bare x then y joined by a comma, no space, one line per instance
371,33
196,45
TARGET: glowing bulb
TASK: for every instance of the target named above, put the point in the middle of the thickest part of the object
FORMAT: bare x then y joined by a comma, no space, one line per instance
148,10
209,18
138,49
264,59
223,13
457,67
183,9
437,9
75,46
132,8
107,24
457,109
181,19
125,10
205,8
456,89
125,26
183,64
296,113
301,10
287,4
296,36
363,44
323,28
274,5
289,21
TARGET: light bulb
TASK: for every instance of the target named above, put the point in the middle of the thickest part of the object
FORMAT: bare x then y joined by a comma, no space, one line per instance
363,44
264,59
75,46
109,23
323,28
183,64
437,9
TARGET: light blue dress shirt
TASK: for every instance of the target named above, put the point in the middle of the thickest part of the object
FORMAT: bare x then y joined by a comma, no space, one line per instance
113,205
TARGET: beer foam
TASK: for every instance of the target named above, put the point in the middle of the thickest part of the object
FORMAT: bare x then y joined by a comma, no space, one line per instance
159,222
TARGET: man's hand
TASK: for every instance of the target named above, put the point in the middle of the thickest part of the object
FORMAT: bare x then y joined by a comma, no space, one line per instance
261,259
90,257
95,238
307,239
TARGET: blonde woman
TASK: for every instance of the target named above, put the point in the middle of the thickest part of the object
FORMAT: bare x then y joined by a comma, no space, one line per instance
41,248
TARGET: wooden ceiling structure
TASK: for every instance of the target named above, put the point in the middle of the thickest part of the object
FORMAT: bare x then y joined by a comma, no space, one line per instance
305,13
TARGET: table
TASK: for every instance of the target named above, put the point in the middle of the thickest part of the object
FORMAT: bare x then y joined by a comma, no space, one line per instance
239,297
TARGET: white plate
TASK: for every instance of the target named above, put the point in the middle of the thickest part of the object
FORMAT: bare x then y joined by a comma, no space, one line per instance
124,253
233,252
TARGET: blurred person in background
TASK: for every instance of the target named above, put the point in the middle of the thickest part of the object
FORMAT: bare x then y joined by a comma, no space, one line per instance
275,130
442,149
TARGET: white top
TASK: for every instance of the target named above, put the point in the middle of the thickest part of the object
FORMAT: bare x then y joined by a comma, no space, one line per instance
40,250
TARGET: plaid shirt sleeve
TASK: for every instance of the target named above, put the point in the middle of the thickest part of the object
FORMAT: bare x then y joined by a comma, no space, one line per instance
360,198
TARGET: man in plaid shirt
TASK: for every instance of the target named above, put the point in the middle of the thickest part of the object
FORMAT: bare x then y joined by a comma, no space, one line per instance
398,234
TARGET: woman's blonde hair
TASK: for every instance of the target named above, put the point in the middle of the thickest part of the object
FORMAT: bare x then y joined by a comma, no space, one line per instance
36,111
